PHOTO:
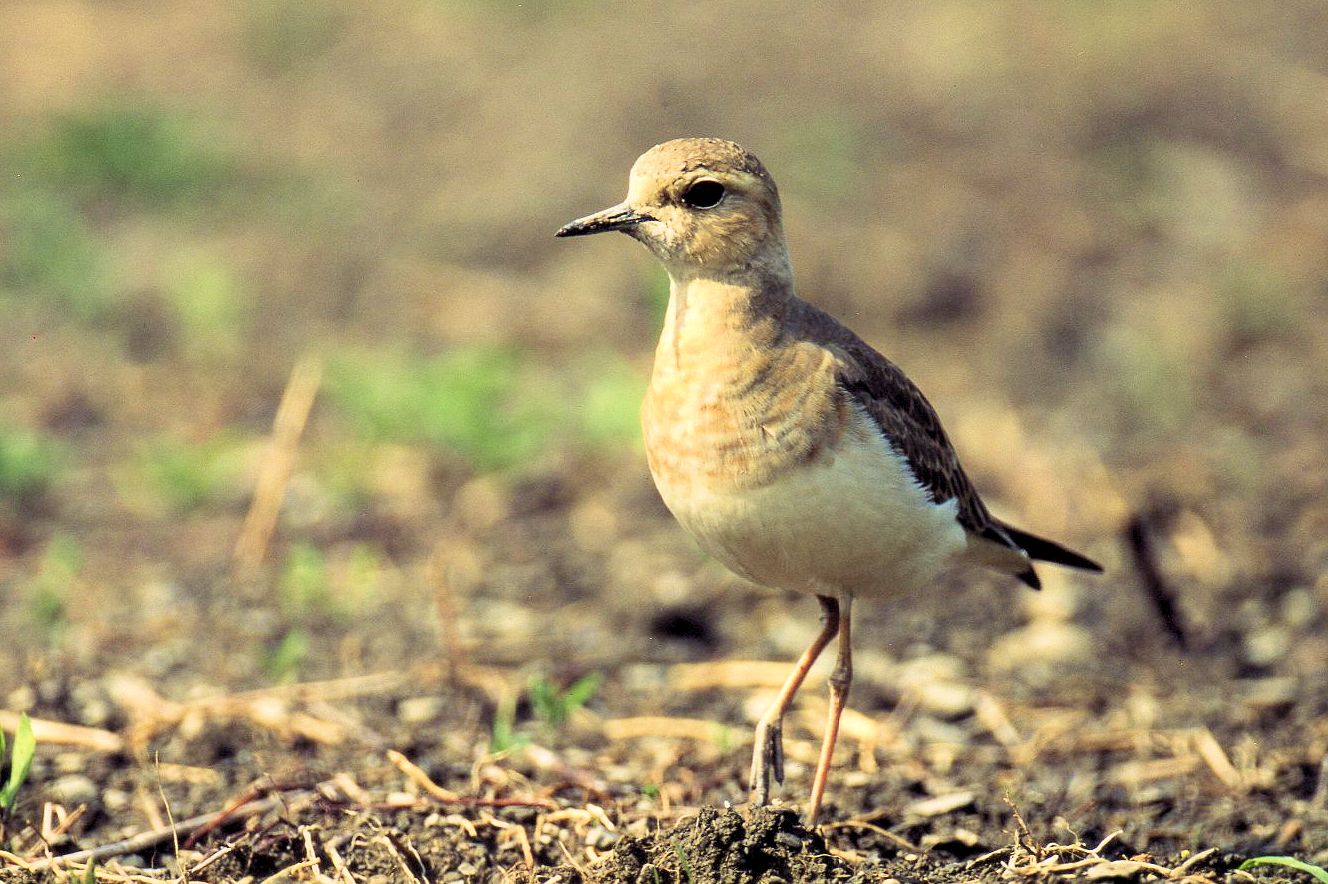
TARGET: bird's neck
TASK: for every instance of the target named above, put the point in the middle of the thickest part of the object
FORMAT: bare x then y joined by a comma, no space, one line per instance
711,318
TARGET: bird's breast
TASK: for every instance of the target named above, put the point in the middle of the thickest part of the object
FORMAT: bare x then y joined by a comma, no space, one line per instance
740,421
811,495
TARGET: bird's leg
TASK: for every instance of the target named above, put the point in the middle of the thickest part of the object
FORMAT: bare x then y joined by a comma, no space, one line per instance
840,680
768,752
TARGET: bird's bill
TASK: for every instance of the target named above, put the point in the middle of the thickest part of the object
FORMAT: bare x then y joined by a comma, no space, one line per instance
620,217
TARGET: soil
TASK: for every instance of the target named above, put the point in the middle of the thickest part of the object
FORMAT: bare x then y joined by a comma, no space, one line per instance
1098,239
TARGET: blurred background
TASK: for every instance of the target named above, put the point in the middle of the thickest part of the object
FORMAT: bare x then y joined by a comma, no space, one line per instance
1096,234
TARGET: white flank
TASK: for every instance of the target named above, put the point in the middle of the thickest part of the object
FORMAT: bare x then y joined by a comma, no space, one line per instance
856,521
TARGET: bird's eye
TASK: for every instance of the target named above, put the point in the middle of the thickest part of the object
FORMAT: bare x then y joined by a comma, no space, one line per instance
704,194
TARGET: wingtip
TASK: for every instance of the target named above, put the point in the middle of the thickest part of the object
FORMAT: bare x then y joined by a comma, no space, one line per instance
1030,578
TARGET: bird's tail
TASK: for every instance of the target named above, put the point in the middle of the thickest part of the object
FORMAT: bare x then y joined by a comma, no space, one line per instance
1040,549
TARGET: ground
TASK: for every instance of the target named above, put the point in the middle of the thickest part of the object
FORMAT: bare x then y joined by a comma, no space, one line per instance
327,546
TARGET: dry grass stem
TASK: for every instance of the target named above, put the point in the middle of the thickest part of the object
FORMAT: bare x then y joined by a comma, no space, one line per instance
734,674
897,840
144,840
48,732
420,778
275,473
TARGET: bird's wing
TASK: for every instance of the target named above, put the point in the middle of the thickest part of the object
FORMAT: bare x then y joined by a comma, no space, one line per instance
906,418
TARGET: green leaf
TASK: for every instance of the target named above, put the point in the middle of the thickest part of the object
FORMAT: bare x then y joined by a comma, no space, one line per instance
25,746
580,692
1290,862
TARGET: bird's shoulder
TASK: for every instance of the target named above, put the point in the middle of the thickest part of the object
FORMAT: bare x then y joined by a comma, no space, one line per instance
898,407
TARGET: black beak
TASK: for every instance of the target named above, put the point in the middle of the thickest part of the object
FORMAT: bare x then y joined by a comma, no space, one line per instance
619,217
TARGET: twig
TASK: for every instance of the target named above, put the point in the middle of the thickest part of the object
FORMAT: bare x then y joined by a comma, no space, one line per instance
1192,862
897,840
274,476
48,732
419,777
220,817
447,796
1140,542
152,837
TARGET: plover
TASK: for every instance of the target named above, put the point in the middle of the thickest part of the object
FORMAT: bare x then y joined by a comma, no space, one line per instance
791,450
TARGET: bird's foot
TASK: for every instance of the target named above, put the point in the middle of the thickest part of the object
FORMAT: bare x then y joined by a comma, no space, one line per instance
767,757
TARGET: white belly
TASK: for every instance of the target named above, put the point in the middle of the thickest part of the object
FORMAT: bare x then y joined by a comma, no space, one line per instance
855,521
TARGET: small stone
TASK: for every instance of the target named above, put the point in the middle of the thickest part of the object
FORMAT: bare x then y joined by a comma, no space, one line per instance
73,789
467,869
417,710
70,762
1299,608
1270,693
1266,645
21,699
115,799
601,838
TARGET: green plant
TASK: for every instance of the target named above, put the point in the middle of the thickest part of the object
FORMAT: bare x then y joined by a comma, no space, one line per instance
47,592
504,737
210,303
29,462
553,706
51,255
130,151
480,402
1290,862
20,762
821,154
302,588
609,401
284,662
684,864
185,476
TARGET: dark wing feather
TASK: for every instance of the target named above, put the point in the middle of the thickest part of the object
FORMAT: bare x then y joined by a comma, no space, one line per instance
906,418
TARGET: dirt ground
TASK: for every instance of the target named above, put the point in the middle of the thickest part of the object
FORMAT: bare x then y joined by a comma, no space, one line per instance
327,546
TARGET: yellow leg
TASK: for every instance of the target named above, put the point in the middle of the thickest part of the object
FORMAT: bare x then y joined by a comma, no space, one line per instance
768,753
840,680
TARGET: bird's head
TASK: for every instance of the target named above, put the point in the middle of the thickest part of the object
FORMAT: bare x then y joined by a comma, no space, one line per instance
705,207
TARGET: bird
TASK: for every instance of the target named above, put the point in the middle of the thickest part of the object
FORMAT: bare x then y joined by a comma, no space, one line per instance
791,450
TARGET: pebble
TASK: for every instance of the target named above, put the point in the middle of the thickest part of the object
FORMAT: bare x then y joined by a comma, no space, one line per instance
21,699
601,838
115,799
1299,608
1268,693
1265,645
417,710
1040,653
70,762
73,789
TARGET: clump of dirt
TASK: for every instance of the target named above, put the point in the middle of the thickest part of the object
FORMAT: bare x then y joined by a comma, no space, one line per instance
768,846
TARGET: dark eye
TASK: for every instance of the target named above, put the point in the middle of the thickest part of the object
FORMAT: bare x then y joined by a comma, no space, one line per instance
704,194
